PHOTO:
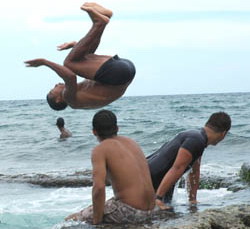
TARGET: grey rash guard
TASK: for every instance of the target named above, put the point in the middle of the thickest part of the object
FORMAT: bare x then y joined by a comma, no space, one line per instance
195,141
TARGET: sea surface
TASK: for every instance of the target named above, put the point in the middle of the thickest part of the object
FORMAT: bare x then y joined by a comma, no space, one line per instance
30,145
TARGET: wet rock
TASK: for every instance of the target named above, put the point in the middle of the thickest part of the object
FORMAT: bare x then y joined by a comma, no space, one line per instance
245,172
78,179
236,187
84,178
107,226
233,183
62,182
231,217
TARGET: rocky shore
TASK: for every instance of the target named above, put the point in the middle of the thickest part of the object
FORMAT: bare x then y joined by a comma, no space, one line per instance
83,179
77,179
231,217
245,172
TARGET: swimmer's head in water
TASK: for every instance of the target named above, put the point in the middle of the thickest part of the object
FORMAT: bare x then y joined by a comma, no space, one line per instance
60,122
55,98
105,124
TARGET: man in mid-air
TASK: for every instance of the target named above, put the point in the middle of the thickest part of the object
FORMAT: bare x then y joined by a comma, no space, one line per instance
106,77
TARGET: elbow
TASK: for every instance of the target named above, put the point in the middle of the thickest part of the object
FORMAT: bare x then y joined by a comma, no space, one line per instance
72,77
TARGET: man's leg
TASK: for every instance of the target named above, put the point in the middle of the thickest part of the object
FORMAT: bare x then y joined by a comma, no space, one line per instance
82,60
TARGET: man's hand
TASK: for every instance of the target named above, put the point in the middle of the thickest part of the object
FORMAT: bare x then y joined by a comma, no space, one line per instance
35,62
66,45
162,206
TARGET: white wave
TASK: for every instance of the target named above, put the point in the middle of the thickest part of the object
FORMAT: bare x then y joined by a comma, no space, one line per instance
23,199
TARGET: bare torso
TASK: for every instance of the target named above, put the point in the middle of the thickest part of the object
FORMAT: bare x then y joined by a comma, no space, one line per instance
91,94
128,172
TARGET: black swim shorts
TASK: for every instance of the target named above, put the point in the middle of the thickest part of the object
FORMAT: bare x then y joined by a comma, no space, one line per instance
115,71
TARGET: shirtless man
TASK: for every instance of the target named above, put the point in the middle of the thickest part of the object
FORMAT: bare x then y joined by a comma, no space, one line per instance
64,132
106,77
121,160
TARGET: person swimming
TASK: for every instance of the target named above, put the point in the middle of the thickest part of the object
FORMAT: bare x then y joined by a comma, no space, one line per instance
64,132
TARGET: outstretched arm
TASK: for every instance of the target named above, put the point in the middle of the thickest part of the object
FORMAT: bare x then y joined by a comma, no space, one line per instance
66,45
66,74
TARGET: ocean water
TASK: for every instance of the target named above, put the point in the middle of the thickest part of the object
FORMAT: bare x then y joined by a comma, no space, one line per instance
30,145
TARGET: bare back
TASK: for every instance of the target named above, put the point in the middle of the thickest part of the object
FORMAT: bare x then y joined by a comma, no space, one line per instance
65,133
128,171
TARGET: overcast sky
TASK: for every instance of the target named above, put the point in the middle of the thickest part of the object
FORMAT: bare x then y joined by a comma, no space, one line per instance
178,47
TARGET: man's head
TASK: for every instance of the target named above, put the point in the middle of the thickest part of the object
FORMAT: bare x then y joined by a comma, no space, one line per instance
104,124
220,124
60,122
55,98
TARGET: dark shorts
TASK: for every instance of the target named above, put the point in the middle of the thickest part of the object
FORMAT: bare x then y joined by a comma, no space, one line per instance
115,71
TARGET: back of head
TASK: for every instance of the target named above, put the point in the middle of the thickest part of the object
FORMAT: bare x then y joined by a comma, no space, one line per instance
105,124
56,106
60,122
219,122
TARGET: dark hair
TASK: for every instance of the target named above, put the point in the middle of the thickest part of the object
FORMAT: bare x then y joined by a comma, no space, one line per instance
56,106
219,122
105,124
60,122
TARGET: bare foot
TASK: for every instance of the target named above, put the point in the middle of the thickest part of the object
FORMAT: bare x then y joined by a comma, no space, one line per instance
95,16
99,8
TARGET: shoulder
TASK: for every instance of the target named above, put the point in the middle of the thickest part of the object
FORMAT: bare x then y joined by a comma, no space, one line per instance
98,154
192,135
104,146
193,141
103,149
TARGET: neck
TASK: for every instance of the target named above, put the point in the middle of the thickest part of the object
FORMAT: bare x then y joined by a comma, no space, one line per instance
213,136
210,135
100,139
